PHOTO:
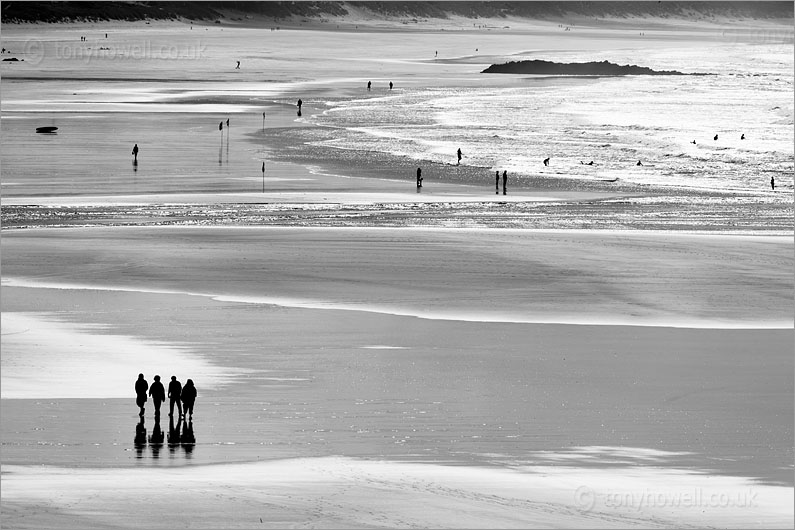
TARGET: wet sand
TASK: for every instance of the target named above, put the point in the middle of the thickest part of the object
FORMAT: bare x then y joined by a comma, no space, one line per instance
360,376
423,348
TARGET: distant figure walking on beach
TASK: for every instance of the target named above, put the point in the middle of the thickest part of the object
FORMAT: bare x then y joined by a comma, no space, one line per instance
546,161
773,183
227,123
369,84
419,178
135,152
188,398
158,394
299,106
141,386
505,182
174,394
459,156
238,66
390,85
497,176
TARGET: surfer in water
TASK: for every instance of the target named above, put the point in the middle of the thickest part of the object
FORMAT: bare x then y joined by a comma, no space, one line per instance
546,161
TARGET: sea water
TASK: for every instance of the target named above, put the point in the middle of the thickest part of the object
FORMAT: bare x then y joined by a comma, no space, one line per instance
615,122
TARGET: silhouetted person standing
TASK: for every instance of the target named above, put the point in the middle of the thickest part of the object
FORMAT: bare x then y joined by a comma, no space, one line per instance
459,156
299,104
419,178
773,183
141,386
497,184
158,394
238,66
135,152
174,394
505,182
369,84
390,85
188,398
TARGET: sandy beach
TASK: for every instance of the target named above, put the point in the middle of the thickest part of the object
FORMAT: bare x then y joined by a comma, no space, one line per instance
367,355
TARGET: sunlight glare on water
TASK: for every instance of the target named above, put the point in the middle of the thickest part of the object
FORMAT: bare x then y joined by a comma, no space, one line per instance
613,121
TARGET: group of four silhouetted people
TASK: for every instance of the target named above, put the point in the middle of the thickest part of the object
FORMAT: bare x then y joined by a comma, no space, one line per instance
177,394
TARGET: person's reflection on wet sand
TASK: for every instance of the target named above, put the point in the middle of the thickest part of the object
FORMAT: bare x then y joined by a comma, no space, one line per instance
156,440
140,438
188,439
174,437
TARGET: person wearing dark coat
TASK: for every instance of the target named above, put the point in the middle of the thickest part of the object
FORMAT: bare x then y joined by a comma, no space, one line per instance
158,394
188,398
141,386
174,393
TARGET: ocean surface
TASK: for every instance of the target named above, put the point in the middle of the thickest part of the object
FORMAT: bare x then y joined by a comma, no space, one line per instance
613,121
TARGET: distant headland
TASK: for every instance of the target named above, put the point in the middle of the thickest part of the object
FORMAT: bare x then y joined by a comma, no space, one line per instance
591,68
